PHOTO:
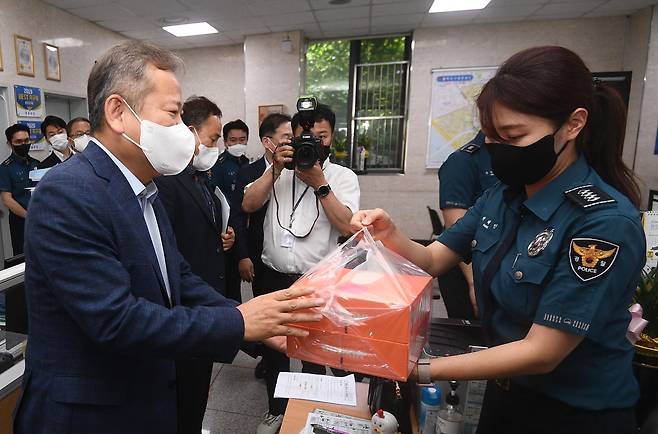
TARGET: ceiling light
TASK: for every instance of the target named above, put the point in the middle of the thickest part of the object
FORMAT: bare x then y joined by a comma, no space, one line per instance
192,29
457,5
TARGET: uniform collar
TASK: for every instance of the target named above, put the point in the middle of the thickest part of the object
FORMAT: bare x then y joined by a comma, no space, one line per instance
547,200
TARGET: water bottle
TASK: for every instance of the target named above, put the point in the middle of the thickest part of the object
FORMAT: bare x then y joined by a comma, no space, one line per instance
430,404
450,420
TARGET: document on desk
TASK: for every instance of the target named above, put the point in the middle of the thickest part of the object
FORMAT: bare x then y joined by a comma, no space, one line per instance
312,387
226,208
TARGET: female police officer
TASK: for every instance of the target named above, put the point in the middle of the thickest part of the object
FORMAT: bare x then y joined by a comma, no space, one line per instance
557,248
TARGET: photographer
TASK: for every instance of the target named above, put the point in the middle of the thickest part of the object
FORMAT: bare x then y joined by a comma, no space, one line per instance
308,210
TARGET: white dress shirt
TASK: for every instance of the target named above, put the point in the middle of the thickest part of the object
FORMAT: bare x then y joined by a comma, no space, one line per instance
146,194
287,254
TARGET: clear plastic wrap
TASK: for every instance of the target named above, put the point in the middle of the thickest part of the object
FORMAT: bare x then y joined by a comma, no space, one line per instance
377,311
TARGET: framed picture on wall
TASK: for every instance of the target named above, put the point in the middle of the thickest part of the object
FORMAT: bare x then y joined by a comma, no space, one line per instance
51,58
24,56
264,110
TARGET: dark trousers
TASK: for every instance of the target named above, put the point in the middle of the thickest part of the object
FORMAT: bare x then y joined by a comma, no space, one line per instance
232,280
193,383
522,411
275,361
17,231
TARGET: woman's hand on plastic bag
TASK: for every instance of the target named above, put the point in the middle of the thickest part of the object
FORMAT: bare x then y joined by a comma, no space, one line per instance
377,221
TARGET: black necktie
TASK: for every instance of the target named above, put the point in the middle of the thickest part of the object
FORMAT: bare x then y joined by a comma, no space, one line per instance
491,270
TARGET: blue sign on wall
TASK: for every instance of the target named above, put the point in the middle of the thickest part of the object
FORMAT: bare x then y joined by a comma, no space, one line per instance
28,102
35,130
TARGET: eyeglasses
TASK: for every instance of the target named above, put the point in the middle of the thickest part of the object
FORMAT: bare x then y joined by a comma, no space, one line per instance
83,133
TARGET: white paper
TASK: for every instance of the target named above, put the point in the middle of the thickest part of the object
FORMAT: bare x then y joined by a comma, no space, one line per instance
226,209
312,387
342,423
36,174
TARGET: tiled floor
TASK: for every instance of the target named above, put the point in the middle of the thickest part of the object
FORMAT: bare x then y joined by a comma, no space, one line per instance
238,401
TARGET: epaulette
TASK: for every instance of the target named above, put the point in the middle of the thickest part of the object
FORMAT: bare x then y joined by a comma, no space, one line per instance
588,196
221,158
8,161
471,148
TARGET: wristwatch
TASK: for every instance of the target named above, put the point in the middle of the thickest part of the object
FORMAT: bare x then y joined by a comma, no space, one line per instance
424,375
323,191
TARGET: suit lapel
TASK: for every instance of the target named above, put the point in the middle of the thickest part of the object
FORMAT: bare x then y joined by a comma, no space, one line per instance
188,183
170,252
126,199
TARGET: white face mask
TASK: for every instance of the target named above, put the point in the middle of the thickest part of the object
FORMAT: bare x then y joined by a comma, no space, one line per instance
206,158
168,149
59,142
237,150
80,143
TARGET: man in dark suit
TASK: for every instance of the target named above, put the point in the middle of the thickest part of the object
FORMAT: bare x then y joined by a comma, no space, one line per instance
104,332
249,233
196,217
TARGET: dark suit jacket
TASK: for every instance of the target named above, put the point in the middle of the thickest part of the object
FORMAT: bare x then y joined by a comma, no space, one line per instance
50,161
102,337
197,237
248,227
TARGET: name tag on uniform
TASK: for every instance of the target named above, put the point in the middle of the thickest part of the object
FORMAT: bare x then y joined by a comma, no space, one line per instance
287,240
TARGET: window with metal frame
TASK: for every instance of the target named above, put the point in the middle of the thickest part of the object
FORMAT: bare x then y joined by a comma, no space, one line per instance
365,81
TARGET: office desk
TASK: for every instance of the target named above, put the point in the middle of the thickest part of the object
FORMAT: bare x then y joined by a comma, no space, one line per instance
297,411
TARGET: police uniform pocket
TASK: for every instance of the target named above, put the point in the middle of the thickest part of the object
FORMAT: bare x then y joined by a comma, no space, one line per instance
528,276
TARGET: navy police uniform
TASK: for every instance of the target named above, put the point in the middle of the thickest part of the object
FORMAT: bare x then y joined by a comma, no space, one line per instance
14,178
224,175
463,177
568,258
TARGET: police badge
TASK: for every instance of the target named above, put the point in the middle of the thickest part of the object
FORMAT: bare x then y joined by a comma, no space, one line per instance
541,241
591,258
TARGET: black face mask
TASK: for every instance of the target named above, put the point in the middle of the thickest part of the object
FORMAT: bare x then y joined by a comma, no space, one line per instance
517,166
22,150
324,152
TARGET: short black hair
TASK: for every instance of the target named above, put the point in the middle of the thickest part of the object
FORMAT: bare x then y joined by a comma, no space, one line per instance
322,113
74,121
9,132
271,123
197,109
237,124
52,120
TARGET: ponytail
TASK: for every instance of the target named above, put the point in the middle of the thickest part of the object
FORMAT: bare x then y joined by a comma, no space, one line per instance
551,82
602,141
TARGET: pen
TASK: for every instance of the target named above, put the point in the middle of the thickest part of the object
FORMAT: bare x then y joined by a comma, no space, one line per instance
319,429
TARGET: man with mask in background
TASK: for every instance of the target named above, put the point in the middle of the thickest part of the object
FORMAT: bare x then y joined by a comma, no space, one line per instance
196,217
79,132
307,211
15,181
53,129
104,336
224,175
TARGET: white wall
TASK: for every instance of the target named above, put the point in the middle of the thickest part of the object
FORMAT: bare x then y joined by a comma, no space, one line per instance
635,59
217,73
599,41
271,77
80,42
646,163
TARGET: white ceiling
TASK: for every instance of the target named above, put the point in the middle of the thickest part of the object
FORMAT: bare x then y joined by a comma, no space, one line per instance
141,19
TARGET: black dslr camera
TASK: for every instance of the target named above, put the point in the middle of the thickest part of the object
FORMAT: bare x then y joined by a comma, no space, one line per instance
307,147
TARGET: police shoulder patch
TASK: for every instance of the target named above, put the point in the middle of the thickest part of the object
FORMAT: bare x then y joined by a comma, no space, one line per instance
591,258
588,196
470,148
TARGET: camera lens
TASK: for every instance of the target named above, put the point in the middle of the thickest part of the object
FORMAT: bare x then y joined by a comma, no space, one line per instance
306,156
